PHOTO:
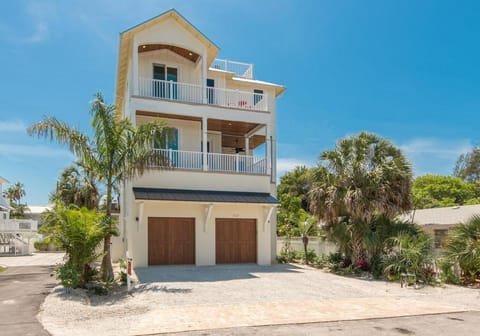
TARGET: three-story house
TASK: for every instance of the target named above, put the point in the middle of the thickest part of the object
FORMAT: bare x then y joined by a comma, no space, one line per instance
213,201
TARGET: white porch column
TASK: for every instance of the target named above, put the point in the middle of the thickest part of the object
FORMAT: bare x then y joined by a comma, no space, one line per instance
135,68
204,142
204,77
247,145
268,149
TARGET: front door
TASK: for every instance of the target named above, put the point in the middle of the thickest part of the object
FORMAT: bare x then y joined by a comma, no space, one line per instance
210,91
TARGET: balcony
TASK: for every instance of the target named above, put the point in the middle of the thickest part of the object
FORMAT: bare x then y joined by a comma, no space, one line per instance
215,162
244,70
198,94
18,225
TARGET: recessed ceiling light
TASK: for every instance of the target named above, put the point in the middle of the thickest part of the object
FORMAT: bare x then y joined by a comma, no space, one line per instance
229,124
190,54
144,46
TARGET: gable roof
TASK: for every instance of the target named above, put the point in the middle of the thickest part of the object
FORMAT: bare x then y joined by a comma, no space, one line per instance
443,216
126,44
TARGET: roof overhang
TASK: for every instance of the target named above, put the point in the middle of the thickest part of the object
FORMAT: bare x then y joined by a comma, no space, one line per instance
203,196
126,44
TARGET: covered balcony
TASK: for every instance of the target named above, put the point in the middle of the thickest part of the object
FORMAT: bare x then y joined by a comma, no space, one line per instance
173,73
212,145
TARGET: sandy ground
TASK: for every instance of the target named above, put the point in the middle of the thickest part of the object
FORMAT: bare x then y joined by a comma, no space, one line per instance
173,299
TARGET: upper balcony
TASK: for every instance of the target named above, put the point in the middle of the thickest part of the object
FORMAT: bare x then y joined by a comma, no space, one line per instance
18,225
244,70
198,94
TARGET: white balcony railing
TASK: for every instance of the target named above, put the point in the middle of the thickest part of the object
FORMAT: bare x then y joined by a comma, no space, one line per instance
240,69
198,94
216,162
18,225
246,164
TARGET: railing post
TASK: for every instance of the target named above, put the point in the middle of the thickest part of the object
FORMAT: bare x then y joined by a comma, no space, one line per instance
237,159
265,98
204,143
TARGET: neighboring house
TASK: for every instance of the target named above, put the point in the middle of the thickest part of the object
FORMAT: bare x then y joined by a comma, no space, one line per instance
213,201
35,212
15,234
4,203
438,221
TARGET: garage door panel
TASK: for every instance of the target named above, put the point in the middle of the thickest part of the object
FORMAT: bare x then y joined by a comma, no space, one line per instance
171,240
235,240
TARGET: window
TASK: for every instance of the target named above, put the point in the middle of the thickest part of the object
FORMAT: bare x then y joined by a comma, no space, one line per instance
257,96
440,237
169,140
162,76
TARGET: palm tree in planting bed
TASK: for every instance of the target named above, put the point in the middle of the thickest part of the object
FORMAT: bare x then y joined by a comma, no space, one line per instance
117,151
361,177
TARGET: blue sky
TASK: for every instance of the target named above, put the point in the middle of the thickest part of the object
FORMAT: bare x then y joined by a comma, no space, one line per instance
407,70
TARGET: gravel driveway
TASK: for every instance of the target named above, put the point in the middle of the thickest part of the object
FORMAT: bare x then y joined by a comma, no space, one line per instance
171,299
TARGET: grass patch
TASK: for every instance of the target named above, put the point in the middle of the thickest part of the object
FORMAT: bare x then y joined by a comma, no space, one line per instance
2,269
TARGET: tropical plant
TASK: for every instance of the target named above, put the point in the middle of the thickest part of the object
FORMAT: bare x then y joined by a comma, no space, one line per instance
462,247
79,233
76,185
15,193
117,151
468,166
297,183
432,191
363,176
411,254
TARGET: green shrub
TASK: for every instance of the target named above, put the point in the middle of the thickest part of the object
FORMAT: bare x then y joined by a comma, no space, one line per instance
412,254
69,275
78,232
448,273
40,245
462,248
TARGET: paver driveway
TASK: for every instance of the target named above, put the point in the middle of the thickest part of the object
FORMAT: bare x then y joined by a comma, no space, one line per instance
172,299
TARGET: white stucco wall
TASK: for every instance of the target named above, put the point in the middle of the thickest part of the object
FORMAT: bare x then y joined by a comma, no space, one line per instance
204,231
199,180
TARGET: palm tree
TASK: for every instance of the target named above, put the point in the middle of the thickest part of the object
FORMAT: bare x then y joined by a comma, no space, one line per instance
76,185
117,151
15,194
361,177
462,247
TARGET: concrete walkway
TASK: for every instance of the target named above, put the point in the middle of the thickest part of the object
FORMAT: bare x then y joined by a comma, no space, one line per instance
466,323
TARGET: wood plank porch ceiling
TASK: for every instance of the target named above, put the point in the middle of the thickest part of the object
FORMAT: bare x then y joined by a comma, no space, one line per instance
185,53
233,132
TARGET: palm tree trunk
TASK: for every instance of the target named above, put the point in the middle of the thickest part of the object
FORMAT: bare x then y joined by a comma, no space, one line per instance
305,245
107,268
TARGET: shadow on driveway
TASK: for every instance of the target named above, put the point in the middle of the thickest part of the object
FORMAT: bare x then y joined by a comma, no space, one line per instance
192,273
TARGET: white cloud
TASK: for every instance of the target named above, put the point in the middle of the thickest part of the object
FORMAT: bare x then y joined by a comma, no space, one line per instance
12,126
287,164
33,151
439,148
433,155
39,34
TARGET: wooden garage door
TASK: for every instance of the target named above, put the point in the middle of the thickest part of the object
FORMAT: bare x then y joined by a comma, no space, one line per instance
235,240
171,241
